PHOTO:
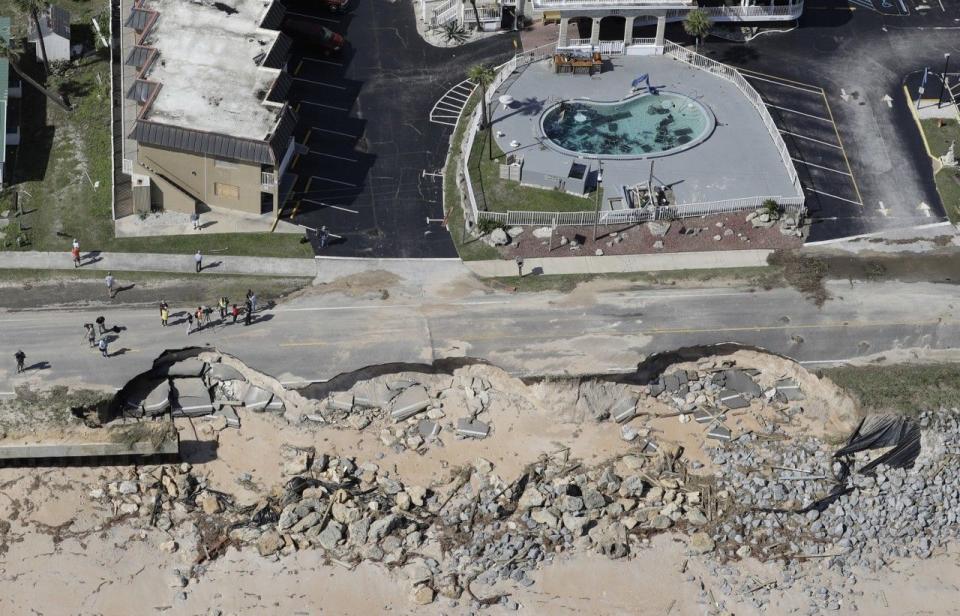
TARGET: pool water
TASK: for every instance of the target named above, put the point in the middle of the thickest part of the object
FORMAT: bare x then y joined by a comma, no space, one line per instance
641,126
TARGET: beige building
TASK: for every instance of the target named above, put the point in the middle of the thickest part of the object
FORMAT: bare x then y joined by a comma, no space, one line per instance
204,120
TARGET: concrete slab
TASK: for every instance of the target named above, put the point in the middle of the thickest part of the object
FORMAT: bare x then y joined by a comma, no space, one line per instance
218,372
742,382
340,401
185,368
719,432
428,429
192,398
624,409
789,389
472,429
732,399
233,419
256,398
413,400
158,400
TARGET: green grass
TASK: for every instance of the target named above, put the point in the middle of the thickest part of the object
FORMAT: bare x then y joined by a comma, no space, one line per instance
902,388
63,155
468,248
564,283
939,139
505,195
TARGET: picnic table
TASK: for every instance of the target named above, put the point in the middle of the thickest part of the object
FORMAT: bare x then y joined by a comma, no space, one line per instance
577,63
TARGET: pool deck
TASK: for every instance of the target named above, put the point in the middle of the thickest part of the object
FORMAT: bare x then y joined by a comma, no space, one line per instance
738,160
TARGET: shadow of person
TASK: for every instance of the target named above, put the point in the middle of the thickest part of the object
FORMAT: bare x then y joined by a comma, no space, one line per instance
118,352
209,223
40,365
211,265
260,318
118,328
122,289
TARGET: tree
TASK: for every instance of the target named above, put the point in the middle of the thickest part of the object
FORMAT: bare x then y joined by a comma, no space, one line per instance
13,57
483,76
34,8
697,24
476,14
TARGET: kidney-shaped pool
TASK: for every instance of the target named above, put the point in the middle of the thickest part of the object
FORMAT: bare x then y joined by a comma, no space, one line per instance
641,126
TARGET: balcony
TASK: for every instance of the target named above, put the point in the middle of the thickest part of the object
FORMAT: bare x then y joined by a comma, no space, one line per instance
268,180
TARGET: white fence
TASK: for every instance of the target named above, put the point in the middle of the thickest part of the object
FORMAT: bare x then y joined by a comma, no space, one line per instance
733,75
610,47
793,203
446,12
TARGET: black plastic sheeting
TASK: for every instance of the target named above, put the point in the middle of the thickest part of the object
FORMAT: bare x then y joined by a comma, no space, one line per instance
902,434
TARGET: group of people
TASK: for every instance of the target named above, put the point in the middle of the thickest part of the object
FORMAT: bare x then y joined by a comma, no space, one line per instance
96,335
203,315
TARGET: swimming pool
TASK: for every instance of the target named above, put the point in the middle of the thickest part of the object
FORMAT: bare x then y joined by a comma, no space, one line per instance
641,126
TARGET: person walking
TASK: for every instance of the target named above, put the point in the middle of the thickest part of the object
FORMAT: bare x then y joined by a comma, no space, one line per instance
199,315
164,315
223,304
198,261
20,357
195,219
248,313
109,280
235,312
91,334
75,253
189,323
102,324
253,302
102,345
323,237
208,315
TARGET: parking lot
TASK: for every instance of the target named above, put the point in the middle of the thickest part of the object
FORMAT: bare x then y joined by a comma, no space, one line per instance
369,164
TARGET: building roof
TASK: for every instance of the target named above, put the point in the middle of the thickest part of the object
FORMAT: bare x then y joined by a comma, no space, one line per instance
59,21
214,65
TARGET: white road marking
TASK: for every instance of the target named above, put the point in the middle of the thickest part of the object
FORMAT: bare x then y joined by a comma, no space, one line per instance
803,162
325,106
786,132
799,113
320,83
318,153
322,61
334,132
826,194
336,207
317,177
326,19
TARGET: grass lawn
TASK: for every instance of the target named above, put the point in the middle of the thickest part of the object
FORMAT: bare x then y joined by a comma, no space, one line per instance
903,388
63,168
505,195
564,283
947,179
468,248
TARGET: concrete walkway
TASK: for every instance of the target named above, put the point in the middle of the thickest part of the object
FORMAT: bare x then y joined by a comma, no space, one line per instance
617,264
151,262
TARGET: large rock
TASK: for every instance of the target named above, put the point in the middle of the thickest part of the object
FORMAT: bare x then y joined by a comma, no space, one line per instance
413,400
543,233
701,543
658,228
382,527
158,400
331,535
269,543
499,237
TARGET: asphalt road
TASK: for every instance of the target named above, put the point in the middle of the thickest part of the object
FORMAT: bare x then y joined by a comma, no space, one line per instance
363,118
857,52
317,337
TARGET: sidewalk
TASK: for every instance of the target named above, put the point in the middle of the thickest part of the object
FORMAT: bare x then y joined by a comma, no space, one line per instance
151,262
619,264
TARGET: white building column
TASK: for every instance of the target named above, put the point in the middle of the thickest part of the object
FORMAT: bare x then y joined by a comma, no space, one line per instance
628,31
661,29
563,39
595,31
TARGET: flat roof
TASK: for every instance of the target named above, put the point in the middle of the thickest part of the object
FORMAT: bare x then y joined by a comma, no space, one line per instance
208,65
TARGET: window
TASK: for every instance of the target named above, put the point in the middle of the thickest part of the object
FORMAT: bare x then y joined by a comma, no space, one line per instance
226,190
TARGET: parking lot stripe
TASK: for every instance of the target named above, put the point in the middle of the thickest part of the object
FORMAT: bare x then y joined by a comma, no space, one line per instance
780,79
826,194
832,145
320,83
336,207
843,150
804,88
302,60
296,159
797,160
306,138
798,112
333,181
325,106
332,21
333,132
296,71
318,153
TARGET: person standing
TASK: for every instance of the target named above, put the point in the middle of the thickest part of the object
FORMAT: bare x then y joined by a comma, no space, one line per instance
253,302
164,315
248,313
103,346
102,324
109,280
76,243
189,323
198,261
195,219
235,312
21,357
199,315
223,304
323,237
91,334
207,315
75,253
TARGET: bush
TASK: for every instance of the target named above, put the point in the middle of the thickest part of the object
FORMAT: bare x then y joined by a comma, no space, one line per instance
486,225
771,207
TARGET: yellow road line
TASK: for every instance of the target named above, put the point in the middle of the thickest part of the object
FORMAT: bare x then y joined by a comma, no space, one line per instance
843,150
296,209
692,330
296,71
306,138
297,107
296,159
923,135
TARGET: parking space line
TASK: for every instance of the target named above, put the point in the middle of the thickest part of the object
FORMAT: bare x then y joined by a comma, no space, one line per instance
786,85
333,181
780,79
826,194
318,153
334,132
797,160
326,19
832,145
336,207
798,112
302,60
320,83
843,150
296,71
323,105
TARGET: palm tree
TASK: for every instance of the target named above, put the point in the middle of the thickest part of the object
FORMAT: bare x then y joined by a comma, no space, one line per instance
13,57
34,8
697,24
476,14
483,76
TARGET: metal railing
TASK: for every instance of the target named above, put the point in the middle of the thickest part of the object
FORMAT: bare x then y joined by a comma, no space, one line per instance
445,13
733,75
578,42
267,180
643,41
610,47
